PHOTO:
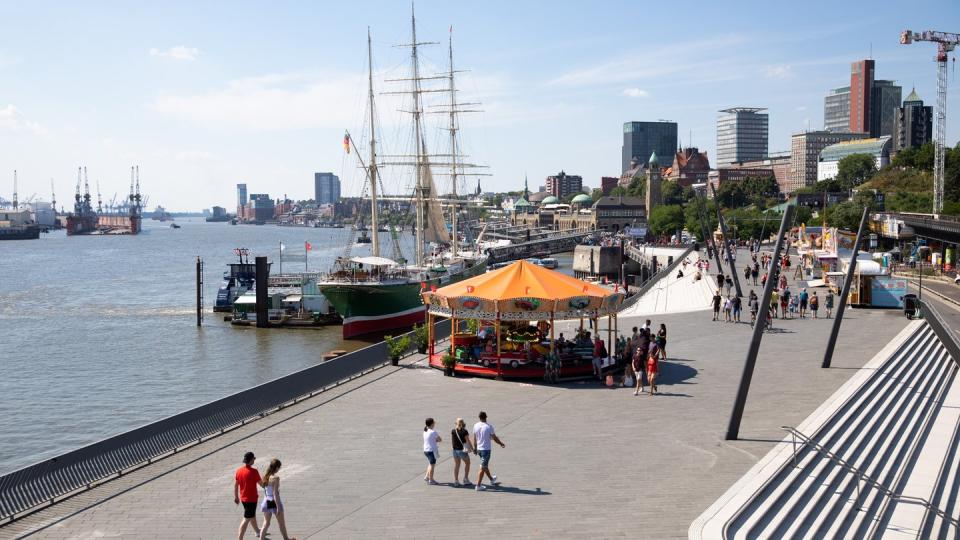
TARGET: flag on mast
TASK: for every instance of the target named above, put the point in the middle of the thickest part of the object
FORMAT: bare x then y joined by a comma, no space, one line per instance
346,142
307,246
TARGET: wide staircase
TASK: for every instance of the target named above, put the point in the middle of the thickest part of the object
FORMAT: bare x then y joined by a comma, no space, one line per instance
877,460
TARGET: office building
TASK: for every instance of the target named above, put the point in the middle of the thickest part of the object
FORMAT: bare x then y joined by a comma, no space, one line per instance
607,183
913,124
241,195
640,139
884,102
326,188
263,207
805,151
836,110
563,184
777,166
742,135
830,157
861,91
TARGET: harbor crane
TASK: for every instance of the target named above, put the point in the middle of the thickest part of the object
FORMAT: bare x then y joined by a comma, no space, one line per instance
946,42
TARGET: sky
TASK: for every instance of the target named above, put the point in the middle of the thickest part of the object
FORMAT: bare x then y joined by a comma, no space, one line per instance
204,95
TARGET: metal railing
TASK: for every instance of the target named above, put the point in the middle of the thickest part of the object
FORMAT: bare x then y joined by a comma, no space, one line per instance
863,477
655,277
54,479
941,329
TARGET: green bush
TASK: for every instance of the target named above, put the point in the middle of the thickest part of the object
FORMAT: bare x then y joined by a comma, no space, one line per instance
397,346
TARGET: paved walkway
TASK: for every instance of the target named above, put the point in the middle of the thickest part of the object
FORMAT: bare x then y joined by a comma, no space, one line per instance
581,460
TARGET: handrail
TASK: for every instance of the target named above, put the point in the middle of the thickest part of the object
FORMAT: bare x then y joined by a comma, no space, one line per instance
942,330
862,477
666,270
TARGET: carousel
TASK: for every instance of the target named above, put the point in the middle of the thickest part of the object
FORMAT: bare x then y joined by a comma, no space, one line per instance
502,323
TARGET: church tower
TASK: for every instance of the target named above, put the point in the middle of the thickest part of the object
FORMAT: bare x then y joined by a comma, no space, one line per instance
653,184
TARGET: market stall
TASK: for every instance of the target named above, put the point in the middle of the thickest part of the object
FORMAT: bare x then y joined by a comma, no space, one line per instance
504,322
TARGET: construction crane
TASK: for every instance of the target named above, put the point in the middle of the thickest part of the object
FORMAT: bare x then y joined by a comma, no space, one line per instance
946,42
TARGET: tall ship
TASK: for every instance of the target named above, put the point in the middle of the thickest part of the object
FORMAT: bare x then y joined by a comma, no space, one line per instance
16,223
112,220
377,293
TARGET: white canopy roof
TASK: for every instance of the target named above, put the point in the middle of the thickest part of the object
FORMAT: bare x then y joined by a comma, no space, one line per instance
374,261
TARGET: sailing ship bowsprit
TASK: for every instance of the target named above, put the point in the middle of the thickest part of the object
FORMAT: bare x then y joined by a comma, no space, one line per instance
376,293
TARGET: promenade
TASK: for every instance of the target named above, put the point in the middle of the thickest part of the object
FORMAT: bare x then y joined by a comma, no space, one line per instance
581,460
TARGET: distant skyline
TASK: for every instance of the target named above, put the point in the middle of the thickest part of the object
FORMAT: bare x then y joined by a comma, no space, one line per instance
203,96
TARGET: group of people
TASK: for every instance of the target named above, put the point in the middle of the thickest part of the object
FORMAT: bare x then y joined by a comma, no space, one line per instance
463,443
246,491
643,350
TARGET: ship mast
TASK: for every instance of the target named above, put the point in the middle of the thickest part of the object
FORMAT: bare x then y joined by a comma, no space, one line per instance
16,204
53,198
77,207
418,137
453,152
374,223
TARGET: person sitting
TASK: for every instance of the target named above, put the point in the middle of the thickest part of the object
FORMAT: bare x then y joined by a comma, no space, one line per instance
679,274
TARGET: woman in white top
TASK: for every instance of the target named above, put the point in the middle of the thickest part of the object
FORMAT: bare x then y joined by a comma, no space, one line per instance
430,440
272,505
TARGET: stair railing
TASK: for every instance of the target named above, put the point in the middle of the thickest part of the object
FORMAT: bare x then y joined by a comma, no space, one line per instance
864,478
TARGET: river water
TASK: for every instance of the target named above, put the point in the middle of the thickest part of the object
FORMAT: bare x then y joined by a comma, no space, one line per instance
98,333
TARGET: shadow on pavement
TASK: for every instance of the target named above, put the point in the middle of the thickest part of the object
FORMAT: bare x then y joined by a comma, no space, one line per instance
518,491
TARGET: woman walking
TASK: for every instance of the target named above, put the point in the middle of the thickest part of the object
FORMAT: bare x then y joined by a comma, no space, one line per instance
639,366
460,438
272,505
430,449
814,304
828,302
754,305
653,363
662,340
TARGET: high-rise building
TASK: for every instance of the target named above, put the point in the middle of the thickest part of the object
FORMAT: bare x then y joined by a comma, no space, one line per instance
563,184
829,163
861,86
913,124
805,151
326,188
884,102
241,195
836,110
742,135
640,139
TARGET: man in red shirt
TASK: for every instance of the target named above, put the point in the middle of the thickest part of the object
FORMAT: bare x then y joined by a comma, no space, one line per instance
245,491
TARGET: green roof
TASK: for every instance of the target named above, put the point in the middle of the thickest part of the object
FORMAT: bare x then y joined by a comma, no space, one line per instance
582,198
521,202
550,200
653,158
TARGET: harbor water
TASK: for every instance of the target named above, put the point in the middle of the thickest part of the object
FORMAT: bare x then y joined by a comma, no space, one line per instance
98,333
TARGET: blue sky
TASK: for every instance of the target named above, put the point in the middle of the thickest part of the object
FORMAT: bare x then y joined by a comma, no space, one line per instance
203,95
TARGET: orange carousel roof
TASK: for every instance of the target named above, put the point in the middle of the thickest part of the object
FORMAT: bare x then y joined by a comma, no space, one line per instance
522,279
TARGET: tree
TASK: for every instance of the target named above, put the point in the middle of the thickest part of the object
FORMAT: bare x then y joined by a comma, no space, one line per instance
731,195
596,194
759,189
671,192
692,217
855,169
618,191
666,219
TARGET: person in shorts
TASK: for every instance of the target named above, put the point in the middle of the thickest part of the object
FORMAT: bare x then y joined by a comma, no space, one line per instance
430,449
460,438
483,434
246,480
653,366
716,304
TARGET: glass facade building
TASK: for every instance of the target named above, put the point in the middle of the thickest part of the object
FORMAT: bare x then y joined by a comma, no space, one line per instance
326,188
913,125
836,110
742,135
241,195
884,101
641,139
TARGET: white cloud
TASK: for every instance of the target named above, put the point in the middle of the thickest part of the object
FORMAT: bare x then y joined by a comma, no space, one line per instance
782,71
178,52
801,108
11,119
635,92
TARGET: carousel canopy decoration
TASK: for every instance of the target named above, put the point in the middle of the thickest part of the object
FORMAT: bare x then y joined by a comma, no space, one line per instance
522,291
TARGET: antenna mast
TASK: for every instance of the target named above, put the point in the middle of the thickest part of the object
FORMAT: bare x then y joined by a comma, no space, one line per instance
53,198
16,204
374,221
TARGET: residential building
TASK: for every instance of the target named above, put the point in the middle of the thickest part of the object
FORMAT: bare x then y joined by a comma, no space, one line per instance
263,206
836,110
690,166
913,125
719,177
742,135
607,183
241,195
777,165
830,157
326,188
805,151
640,139
884,102
563,184
861,86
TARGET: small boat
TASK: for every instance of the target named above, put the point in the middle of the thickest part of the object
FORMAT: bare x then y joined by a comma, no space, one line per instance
364,238
549,262
174,226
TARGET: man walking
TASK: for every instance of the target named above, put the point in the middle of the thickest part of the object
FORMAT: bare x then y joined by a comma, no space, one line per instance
245,492
482,435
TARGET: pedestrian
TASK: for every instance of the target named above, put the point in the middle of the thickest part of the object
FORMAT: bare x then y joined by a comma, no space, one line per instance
272,505
716,304
245,492
746,273
754,272
662,340
783,281
754,303
763,280
482,435
804,298
726,309
785,303
814,304
720,280
794,304
774,303
737,307
599,352
639,365
460,438
653,363
727,284
828,302
430,449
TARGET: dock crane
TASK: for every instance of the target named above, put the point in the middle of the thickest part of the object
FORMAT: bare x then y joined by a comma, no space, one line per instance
946,42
